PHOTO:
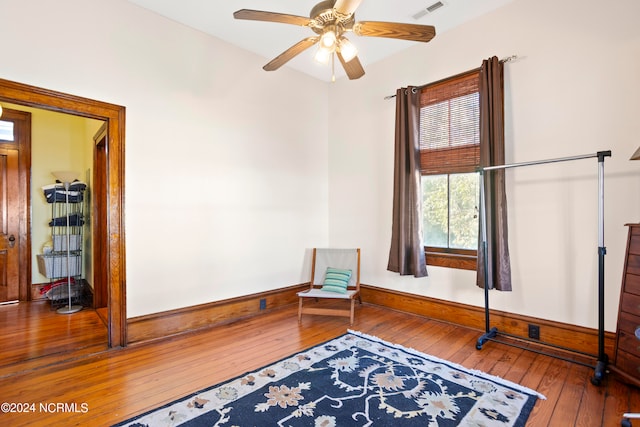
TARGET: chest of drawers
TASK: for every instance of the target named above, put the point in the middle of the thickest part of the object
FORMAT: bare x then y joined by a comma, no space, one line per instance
627,355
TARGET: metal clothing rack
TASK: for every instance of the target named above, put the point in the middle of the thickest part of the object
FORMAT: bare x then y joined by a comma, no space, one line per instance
491,332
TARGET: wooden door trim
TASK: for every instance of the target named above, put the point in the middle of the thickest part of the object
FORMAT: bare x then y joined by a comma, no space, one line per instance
22,129
114,115
99,234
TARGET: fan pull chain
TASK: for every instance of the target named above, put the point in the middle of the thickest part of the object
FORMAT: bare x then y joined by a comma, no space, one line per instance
333,67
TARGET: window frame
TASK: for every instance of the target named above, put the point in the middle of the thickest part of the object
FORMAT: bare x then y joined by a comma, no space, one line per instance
464,259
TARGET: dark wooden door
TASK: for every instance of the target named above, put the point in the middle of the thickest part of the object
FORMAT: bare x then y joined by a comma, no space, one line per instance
9,226
15,205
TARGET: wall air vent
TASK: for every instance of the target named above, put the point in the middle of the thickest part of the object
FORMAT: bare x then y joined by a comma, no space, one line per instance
429,9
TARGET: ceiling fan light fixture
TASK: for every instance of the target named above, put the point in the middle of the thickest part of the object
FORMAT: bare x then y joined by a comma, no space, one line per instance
323,55
329,38
330,20
347,49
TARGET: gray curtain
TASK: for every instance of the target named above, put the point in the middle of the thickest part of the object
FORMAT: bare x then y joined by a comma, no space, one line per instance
406,255
492,154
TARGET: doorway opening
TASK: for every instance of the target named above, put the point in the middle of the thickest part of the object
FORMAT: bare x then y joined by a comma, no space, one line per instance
109,240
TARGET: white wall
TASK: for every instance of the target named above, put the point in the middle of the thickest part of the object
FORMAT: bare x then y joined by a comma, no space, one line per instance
574,90
226,165
232,172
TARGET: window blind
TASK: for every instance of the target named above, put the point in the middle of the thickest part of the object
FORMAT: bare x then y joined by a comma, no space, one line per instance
450,125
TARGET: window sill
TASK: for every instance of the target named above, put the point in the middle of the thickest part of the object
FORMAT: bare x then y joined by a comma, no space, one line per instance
449,260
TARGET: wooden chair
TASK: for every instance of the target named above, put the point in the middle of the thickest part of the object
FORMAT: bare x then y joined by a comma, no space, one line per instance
333,259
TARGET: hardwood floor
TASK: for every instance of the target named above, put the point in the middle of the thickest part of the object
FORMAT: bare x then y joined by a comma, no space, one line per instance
111,386
33,334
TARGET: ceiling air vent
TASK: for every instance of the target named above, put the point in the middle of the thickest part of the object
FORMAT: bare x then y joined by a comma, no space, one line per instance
429,9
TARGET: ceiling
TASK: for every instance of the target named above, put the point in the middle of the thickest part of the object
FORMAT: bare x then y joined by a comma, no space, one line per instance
269,39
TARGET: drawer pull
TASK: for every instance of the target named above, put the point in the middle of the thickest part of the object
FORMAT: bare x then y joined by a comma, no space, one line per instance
637,333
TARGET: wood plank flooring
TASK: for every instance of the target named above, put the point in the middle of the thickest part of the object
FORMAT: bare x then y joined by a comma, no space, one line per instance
33,334
114,385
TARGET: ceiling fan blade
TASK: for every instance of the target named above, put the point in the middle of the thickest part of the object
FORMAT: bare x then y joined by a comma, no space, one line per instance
347,7
259,15
290,53
393,30
353,68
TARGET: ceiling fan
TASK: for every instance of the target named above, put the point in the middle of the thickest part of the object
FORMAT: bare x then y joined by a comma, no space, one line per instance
331,20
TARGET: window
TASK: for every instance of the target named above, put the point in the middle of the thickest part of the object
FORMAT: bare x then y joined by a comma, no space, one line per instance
6,131
449,159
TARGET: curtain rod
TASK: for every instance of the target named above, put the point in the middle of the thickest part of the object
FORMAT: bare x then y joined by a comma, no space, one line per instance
503,60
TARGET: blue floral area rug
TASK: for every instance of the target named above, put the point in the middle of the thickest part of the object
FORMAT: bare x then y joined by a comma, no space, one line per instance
353,380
